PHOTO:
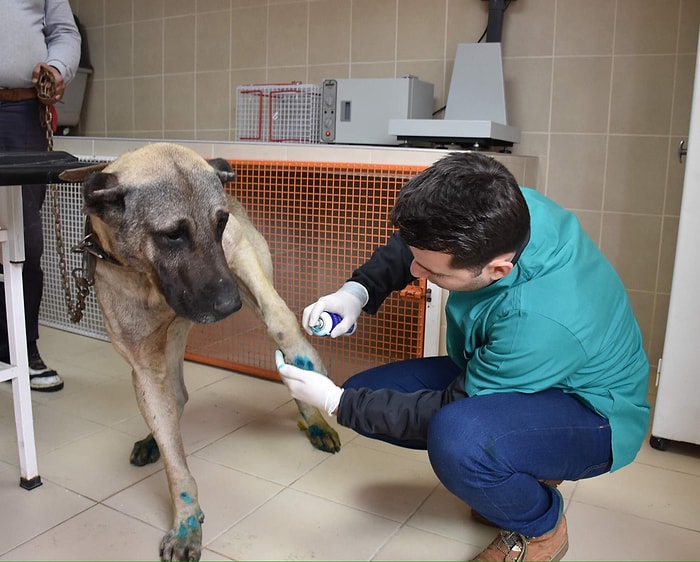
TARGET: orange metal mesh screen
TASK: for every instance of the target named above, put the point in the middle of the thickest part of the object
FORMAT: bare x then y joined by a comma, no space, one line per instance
321,220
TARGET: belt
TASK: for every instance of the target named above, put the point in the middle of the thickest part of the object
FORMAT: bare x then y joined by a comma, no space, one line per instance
17,94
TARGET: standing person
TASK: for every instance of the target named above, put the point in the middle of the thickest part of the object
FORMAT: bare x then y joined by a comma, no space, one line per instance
32,32
545,378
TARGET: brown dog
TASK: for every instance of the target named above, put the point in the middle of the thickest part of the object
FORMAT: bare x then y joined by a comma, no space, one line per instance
177,250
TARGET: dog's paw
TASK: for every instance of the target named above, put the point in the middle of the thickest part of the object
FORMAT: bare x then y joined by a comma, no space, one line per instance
144,452
322,436
185,541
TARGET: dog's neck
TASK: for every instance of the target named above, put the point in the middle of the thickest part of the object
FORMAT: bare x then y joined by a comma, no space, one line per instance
92,251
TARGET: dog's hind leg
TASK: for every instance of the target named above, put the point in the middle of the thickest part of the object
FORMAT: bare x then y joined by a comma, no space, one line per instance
248,258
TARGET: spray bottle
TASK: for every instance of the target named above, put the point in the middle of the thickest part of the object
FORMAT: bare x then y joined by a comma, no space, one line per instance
327,321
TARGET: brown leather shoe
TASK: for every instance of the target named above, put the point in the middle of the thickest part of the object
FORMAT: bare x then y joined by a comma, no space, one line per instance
514,547
476,516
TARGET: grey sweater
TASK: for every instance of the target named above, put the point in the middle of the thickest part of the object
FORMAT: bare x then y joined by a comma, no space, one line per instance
34,31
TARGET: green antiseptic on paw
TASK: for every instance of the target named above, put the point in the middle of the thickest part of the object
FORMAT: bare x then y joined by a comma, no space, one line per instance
185,497
304,363
315,431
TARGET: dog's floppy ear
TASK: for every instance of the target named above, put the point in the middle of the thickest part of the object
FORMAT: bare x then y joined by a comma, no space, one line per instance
102,193
79,174
223,169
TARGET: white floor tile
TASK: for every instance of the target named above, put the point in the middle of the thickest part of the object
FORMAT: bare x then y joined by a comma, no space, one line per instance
268,494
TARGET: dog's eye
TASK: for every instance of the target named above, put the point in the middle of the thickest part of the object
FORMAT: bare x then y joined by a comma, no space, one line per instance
175,236
221,226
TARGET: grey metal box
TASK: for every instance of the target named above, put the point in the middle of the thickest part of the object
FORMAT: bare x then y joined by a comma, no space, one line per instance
358,110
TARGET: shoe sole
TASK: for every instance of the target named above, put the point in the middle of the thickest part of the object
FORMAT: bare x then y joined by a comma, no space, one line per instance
53,384
54,388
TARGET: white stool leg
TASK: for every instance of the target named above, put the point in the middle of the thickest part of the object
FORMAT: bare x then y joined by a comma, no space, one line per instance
18,370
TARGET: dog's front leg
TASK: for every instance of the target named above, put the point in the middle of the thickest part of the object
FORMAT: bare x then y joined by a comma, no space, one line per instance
157,401
160,395
283,328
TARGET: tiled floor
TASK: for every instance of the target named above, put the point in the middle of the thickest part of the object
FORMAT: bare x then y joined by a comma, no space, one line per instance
268,495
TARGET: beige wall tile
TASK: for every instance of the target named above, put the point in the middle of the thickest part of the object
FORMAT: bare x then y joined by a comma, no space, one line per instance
119,55
179,47
580,94
373,30
246,3
683,94
213,5
688,33
249,37
528,30
635,181
148,113
373,70
528,87
421,29
466,21
151,9
178,101
93,118
96,44
212,107
318,73
212,135
213,40
577,171
287,36
641,96
148,44
90,12
118,12
646,26
179,7
329,32
286,74
631,243
120,105
535,144
584,28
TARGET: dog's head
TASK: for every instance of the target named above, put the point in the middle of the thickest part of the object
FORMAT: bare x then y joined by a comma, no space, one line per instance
161,210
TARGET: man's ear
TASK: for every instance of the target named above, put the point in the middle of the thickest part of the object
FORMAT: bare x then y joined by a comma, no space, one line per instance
103,194
223,169
499,267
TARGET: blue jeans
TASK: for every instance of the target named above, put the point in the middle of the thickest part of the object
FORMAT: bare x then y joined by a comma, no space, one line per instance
492,451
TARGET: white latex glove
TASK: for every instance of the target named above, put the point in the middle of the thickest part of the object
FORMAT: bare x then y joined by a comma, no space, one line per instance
346,302
309,386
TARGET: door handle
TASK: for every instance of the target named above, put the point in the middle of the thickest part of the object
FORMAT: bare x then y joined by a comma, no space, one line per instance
682,151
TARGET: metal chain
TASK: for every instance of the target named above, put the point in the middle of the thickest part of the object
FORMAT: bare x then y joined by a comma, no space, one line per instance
46,89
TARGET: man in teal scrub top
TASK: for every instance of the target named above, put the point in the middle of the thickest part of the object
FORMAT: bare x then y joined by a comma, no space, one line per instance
545,378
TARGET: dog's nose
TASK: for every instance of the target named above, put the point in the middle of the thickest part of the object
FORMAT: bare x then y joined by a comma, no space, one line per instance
228,299
228,305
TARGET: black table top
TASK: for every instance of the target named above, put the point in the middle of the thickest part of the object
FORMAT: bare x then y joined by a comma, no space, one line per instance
22,168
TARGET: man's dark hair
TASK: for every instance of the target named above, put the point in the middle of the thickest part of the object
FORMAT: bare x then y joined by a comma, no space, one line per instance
467,205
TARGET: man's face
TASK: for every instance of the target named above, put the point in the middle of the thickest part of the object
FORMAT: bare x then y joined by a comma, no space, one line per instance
436,268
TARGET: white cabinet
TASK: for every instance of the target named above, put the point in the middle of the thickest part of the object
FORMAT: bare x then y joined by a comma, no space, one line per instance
677,411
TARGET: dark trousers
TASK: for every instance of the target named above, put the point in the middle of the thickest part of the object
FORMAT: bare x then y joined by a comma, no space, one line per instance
20,130
492,451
